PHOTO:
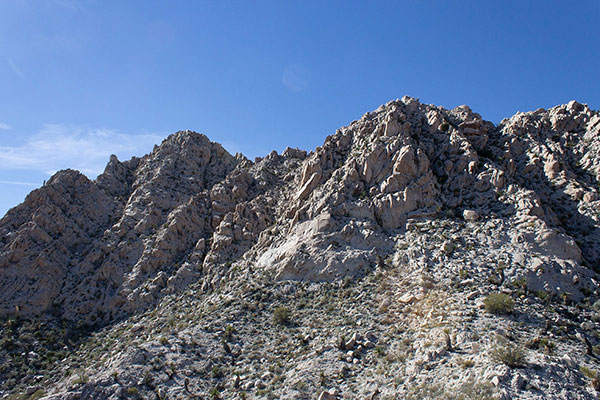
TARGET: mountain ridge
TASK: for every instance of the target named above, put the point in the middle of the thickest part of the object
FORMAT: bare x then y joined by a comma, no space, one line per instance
191,215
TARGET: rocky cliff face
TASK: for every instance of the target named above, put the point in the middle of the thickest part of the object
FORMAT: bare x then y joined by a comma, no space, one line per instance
428,201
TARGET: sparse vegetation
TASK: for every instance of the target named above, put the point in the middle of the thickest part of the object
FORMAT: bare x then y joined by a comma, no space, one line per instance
543,343
228,333
217,372
402,309
521,285
132,391
470,390
81,379
215,393
542,295
281,315
499,304
588,372
38,394
510,354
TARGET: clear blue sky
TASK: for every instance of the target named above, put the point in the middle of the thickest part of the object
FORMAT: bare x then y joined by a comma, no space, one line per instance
80,79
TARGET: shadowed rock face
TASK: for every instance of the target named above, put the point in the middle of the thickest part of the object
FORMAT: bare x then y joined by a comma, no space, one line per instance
96,250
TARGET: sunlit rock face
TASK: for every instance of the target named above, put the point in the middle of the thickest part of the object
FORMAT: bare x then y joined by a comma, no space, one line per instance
151,226
418,253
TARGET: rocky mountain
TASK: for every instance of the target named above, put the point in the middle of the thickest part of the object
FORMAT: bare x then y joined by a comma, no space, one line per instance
418,253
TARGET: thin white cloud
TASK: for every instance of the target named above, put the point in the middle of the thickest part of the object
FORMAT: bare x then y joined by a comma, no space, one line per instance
57,147
296,77
14,68
4,127
19,183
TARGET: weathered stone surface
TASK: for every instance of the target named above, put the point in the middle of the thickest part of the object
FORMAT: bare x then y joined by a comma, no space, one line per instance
432,209
143,227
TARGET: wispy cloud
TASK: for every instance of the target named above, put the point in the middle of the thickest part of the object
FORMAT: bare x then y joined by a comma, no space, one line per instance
296,77
57,147
4,127
19,183
14,68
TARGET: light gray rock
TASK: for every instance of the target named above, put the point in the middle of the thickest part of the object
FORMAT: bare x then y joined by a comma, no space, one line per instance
470,215
189,239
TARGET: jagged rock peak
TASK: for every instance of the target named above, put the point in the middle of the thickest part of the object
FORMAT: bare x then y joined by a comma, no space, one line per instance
434,211
177,214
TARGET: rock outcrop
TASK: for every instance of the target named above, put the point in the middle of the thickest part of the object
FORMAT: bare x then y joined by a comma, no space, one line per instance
152,225
423,196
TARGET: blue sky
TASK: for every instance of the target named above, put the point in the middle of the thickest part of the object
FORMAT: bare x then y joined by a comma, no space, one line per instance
80,80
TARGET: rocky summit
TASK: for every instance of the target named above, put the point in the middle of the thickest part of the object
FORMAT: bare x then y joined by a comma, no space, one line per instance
419,253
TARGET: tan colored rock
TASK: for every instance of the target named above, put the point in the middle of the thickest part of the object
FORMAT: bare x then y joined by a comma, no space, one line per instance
151,225
308,187
590,197
330,394
407,298
471,215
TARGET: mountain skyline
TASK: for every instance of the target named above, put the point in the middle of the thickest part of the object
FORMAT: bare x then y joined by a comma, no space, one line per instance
459,255
85,79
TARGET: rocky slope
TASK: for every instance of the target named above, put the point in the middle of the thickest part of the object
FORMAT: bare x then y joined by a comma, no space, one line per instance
419,253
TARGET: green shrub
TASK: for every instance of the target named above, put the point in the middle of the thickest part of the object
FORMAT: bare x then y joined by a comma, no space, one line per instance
547,345
217,372
214,393
228,333
38,394
80,380
588,372
281,315
467,391
132,391
164,341
499,303
542,294
511,355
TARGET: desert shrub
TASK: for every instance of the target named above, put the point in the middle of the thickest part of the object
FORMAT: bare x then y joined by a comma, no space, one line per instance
217,372
164,341
80,380
132,391
499,303
521,285
548,346
228,333
470,390
509,354
38,394
214,393
281,315
588,372
542,343
542,295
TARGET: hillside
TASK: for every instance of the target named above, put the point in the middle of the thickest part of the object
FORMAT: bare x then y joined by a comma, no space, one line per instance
418,253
